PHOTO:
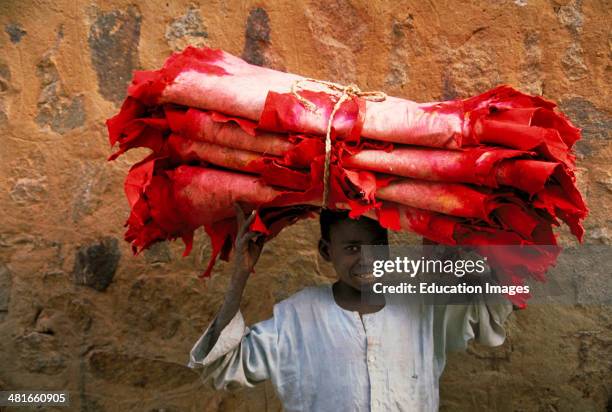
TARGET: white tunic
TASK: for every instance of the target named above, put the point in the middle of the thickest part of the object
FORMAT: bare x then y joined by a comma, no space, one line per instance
321,357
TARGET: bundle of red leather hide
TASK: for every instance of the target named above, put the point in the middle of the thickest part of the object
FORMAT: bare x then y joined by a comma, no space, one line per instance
494,169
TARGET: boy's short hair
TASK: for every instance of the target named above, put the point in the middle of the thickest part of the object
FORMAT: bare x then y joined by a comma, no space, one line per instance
328,217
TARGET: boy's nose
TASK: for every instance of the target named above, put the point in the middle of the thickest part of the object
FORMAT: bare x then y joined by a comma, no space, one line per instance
366,263
369,254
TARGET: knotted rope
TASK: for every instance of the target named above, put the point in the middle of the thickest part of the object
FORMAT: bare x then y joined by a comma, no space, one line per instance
344,93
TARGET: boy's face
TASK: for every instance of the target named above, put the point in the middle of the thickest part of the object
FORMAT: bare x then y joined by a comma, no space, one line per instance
343,250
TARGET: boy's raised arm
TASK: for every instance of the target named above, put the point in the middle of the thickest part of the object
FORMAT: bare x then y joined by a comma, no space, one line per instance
248,249
229,353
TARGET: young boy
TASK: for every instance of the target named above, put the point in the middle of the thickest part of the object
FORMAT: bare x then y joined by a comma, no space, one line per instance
330,347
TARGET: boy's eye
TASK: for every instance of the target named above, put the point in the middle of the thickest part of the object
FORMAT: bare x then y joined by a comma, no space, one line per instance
352,248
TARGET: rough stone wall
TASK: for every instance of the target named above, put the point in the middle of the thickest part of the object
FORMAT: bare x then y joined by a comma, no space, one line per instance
78,312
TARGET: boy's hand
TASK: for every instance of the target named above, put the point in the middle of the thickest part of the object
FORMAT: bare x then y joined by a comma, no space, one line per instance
248,244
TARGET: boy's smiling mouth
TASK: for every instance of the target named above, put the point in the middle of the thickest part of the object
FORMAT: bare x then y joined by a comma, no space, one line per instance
367,275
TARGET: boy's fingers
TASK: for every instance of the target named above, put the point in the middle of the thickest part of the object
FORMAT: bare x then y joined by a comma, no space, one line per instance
254,237
239,215
250,219
243,225
250,236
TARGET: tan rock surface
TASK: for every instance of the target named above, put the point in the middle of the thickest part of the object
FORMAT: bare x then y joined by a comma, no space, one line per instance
78,312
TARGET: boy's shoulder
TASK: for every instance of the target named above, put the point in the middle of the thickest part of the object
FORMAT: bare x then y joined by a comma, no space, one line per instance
305,298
